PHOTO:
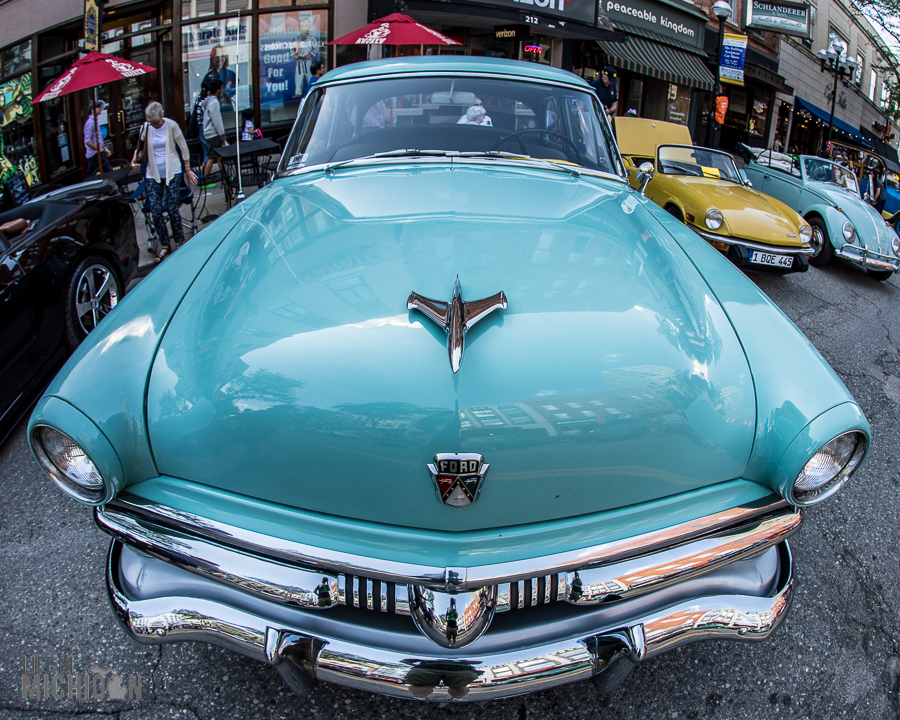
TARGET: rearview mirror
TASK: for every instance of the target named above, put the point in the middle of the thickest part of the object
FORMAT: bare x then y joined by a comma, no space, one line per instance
645,175
745,178
453,98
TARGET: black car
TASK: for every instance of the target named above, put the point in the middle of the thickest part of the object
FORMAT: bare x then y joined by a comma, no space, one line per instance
65,261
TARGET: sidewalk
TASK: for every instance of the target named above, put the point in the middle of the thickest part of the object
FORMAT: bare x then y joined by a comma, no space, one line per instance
215,206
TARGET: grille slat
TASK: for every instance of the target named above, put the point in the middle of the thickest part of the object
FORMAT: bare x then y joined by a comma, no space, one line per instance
389,597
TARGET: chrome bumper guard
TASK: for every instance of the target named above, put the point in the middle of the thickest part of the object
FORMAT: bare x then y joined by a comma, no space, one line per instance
298,579
302,657
868,258
751,244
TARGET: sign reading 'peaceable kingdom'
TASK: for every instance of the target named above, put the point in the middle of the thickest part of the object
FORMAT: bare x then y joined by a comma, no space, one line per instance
787,18
658,18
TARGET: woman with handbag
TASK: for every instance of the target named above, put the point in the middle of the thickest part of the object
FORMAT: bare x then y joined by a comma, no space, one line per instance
162,148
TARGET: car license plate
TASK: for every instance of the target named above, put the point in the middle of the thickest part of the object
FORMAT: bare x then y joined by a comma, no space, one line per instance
761,258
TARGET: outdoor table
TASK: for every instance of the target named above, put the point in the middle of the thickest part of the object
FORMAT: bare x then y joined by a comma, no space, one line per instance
119,176
250,148
251,171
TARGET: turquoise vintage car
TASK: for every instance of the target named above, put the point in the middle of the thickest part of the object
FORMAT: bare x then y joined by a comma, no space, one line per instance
827,195
448,410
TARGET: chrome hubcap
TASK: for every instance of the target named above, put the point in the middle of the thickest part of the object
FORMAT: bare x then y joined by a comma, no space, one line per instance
818,238
95,296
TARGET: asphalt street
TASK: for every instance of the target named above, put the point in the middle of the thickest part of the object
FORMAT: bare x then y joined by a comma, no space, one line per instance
837,655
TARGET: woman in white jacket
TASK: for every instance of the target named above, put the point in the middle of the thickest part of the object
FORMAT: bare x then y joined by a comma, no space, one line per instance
166,154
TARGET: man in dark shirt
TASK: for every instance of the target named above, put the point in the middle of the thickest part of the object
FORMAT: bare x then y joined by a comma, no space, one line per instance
606,90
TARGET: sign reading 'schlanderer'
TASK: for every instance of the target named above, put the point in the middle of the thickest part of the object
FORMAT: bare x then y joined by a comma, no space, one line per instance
787,18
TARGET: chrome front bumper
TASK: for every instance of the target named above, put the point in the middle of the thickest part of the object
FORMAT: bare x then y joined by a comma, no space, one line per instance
868,258
725,576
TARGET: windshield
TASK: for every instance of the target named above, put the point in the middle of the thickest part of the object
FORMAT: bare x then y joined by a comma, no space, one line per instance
821,170
696,161
778,161
470,115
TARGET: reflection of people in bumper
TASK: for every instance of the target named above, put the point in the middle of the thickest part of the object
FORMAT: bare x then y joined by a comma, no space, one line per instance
426,675
452,622
323,593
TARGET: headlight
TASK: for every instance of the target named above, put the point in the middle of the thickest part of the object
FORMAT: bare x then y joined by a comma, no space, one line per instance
895,244
849,232
714,219
829,468
68,465
806,234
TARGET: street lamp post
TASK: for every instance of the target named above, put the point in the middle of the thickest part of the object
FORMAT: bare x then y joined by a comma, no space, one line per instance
832,61
722,10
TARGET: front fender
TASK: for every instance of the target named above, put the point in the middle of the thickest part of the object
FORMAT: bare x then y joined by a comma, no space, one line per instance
118,356
834,221
800,401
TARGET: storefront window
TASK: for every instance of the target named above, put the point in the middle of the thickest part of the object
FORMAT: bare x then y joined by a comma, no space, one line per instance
634,100
289,44
111,46
59,135
219,49
16,59
536,52
679,104
201,8
17,151
50,45
144,39
757,123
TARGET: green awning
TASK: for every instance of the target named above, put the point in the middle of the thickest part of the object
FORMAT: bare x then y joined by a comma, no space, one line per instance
660,61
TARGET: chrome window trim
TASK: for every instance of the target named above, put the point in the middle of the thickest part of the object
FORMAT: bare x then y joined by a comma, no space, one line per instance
138,520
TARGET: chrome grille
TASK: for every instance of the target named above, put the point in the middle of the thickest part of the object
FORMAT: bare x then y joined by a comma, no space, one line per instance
389,597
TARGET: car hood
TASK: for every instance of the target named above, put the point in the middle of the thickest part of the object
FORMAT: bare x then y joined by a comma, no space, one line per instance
293,371
870,227
748,213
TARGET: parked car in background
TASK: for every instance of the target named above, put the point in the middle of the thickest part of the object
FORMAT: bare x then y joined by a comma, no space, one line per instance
65,261
705,190
448,410
827,195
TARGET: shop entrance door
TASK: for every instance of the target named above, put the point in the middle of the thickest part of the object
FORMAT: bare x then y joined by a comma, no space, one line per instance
127,100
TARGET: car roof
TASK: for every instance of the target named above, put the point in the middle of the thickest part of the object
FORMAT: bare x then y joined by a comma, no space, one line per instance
641,136
453,64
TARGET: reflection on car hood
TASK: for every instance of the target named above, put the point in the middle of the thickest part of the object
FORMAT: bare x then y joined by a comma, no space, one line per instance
748,213
293,371
869,225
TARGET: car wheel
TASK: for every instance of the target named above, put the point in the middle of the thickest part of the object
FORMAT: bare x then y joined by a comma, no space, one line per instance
94,290
881,275
675,212
822,252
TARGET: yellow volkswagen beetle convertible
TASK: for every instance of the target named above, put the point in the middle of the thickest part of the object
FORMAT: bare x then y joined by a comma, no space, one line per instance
705,190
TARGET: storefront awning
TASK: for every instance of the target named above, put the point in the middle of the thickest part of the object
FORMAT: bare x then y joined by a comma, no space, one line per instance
842,131
660,61
883,150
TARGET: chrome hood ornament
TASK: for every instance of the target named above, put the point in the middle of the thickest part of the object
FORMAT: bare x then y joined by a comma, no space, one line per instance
456,317
457,477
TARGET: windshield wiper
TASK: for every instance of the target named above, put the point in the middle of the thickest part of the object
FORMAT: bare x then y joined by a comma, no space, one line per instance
389,154
574,171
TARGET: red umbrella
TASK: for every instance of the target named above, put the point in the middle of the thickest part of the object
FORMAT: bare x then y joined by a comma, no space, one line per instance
395,29
92,70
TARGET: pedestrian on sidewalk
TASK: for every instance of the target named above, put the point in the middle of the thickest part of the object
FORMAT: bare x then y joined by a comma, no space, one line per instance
165,150
213,127
94,149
